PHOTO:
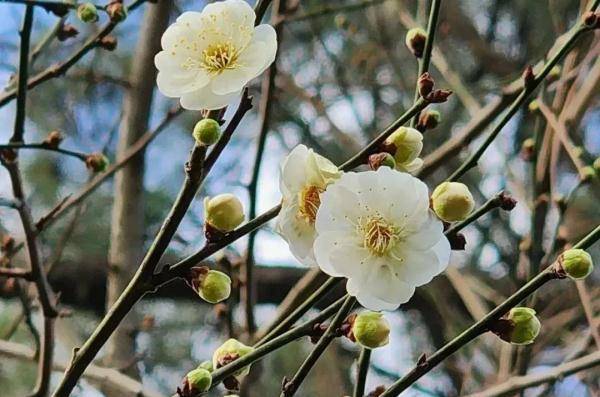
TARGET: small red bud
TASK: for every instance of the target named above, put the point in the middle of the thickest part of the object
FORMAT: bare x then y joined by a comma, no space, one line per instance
507,202
109,43
426,84
66,32
528,77
457,241
53,139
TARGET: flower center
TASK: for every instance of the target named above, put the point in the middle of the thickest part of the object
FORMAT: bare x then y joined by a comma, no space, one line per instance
219,57
309,202
379,236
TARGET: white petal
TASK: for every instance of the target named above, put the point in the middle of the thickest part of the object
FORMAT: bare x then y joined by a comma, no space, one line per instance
204,98
417,267
230,20
340,256
266,35
339,210
299,235
380,289
427,235
293,171
442,250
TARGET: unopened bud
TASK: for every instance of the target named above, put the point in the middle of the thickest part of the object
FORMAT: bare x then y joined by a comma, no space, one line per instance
596,165
109,43
53,139
428,120
207,131
207,365
195,382
97,162
405,144
527,149
8,243
528,77
116,11
211,285
230,351
576,263
87,12
382,159
452,201
223,212
371,330
554,73
415,41
590,20
426,84
587,173
519,327
533,106
438,96
506,202
66,32
457,241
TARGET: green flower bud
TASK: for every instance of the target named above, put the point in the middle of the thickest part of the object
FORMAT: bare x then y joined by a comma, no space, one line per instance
428,120
87,12
223,212
207,131
230,351
533,106
576,263
452,201
415,41
207,365
554,73
382,159
523,326
596,165
97,162
587,173
371,329
195,382
214,286
405,144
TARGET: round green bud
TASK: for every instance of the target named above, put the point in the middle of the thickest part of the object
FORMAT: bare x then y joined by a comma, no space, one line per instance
224,212
406,144
452,201
533,106
198,381
415,41
230,351
371,329
87,13
576,263
525,326
207,365
207,132
587,173
214,286
97,162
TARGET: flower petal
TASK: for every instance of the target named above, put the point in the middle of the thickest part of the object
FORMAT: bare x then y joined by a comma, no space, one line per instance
293,171
204,98
298,234
340,256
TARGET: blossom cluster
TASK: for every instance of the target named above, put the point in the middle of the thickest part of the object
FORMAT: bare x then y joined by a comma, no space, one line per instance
374,228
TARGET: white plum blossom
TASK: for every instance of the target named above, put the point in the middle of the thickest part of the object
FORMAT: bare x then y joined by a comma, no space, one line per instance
209,56
375,228
304,177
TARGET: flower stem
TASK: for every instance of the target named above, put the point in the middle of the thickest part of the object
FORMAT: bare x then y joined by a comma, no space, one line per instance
363,368
482,326
262,350
434,13
291,387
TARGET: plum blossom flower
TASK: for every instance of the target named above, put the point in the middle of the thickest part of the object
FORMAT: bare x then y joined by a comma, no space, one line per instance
375,228
209,56
304,177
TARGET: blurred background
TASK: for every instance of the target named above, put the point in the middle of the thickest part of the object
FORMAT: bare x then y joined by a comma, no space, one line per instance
343,75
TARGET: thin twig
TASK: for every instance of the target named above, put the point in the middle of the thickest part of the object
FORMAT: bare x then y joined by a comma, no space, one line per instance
362,371
488,206
43,146
21,91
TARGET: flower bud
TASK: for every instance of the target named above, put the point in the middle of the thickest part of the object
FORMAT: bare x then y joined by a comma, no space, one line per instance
66,32
428,120
426,84
587,173
371,329
452,201
519,327
109,43
382,159
405,144
527,149
212,285
576,263
415,41
554,73
207,131
195,382
597,165
53,139
230,351
533,106
223,212
116,11
87,12
528,77
97,162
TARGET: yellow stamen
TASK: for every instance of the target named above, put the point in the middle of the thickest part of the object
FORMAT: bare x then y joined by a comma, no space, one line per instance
309,201
379,236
